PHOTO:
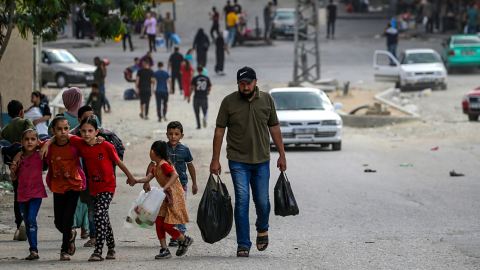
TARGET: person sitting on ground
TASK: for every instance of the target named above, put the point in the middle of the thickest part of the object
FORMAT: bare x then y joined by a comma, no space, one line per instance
128,72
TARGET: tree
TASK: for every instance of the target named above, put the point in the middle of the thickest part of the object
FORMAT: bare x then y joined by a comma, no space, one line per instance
45,18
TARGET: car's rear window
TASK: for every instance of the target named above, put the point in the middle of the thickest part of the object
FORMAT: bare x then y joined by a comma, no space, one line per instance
420,58
301,101
466,40
285,16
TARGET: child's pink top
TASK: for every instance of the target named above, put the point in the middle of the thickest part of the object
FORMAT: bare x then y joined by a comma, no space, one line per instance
30,182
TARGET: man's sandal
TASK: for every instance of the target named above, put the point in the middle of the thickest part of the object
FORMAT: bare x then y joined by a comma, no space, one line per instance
110,254
90,243
262,240
95,255
64,257
72,249
243,249
32,256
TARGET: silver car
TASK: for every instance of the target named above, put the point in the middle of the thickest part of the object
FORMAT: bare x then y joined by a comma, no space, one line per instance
62,67
307,116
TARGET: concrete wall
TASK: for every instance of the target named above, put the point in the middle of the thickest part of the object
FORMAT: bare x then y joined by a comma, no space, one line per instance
16,71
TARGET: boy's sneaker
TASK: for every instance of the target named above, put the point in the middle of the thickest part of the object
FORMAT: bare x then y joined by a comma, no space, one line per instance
164,254
183,246
173,243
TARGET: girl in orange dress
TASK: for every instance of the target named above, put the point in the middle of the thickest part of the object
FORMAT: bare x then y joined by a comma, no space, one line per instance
174,209
186,70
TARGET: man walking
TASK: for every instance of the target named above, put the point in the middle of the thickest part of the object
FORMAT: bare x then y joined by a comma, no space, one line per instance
267,18
232,20
162,78
237,6
214,17
175,62
249,115
144,87
168,29
99,78
391,33
331,17
226,10
428,13
151,28
472,18
201,86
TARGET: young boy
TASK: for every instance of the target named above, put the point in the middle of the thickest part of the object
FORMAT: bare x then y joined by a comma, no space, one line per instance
10,138
97,99
181,158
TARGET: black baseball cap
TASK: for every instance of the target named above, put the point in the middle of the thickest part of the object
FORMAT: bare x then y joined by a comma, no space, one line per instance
246,74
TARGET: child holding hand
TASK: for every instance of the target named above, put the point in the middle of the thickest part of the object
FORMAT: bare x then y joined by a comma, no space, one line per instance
174,209
28,173
99,159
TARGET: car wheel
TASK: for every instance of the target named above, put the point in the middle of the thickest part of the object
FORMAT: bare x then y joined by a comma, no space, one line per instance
62,80
337,146
473,117
44,83
450,70
397,85
89,84
443,87
273,36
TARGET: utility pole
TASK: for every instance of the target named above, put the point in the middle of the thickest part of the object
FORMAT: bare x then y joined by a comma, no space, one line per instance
37,63
306,66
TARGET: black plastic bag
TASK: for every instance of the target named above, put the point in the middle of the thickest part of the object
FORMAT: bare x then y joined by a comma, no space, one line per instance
285,203
215,211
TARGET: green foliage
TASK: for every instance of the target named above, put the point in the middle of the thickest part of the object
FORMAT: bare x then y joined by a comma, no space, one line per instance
46,18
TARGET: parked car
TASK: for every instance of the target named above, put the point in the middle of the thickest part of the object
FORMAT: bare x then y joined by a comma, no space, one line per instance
414,69
284,24
461,51
307,116
62,67
471,104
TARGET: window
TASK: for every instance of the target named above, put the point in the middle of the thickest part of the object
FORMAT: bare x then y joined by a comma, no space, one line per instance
61,56
420,58
285,16
301,101
466,40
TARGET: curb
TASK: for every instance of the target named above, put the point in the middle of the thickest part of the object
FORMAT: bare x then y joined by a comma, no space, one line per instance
353,120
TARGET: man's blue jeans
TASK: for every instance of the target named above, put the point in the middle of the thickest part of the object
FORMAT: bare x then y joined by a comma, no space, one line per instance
168,40
29,212
256,176
392,48
231,35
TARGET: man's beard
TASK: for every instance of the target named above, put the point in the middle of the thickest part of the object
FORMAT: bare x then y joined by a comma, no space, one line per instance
247,96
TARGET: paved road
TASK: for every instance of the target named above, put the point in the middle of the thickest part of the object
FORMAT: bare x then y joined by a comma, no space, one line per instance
397,218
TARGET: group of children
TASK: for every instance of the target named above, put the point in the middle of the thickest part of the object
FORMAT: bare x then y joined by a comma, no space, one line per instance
66,179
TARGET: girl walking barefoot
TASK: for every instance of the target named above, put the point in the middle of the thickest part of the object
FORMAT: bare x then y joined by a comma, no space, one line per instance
174,209
99,159
28,173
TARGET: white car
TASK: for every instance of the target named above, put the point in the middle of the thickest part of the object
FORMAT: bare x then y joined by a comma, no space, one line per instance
307,116
416,68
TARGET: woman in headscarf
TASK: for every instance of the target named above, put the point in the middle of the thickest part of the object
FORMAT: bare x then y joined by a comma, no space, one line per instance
72,100
221,48
200,44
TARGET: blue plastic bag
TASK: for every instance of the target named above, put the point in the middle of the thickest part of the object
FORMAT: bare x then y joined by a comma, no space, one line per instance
159,41
176,39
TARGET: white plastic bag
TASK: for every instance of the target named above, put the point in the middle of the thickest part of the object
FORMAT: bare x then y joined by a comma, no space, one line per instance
133,218
34,114
425,21
144,210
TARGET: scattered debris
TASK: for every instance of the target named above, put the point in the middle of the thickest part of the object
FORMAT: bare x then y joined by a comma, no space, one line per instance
380,109
434,149
370,170
406,165
453,173
365,165
369,242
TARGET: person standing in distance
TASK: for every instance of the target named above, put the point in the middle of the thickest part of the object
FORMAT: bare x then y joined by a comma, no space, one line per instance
267,19
331,17
249,114
144,86
151,28
202,86
168,29
391,33
227,9
175,62
214,18
99,78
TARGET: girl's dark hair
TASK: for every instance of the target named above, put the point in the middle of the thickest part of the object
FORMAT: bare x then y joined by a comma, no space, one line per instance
187,64
39,95
161,150
57,119
29,130
91,121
